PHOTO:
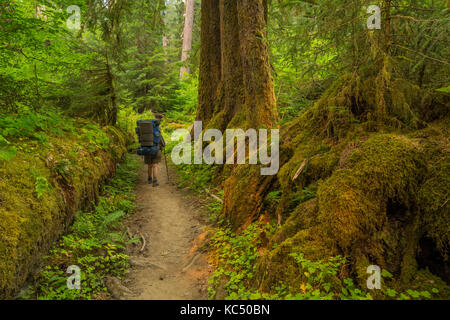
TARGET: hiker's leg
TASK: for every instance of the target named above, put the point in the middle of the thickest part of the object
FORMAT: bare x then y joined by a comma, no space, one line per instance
155,173
150,169
155,170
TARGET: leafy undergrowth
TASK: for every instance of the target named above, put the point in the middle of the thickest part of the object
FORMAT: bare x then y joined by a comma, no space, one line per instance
95,243
30,132
235,257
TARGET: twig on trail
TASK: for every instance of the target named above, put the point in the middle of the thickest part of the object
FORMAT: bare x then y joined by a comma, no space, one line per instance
214,196
191,262
143,242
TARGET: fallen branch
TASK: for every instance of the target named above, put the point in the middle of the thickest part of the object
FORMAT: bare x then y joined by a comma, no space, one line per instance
143,242
299,170
191,262
214,196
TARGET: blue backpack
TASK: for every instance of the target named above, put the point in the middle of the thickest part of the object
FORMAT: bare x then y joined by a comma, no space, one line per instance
149,137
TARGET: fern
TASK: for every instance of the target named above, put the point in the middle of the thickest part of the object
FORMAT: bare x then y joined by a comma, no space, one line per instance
110,220
41,184
7,152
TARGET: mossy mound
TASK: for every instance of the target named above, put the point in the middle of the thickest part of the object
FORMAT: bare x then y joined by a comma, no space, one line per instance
43,187
353,201
383,197
378,175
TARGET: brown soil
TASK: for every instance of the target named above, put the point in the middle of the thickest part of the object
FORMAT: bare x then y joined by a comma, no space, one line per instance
169,267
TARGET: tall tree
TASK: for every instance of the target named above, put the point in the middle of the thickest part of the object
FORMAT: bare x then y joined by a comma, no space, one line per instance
187,35
235,81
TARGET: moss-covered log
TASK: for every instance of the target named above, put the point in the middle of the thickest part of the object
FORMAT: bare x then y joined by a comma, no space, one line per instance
42,188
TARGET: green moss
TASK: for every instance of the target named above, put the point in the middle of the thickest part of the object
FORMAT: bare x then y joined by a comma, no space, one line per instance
424,280
366,210
353,202
302,218
434,197
382,181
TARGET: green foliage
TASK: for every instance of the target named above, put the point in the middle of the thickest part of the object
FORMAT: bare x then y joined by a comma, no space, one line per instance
30,125
184,101
97,139
274,196
234,256
30,132
95,243
306,194
444,89
322,281
41,184
7,152
197,177
314,42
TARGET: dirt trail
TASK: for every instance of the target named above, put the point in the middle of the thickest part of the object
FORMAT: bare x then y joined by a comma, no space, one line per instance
169,267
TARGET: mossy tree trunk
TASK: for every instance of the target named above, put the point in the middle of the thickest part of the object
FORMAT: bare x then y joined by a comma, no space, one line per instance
259,92
236,88
347,187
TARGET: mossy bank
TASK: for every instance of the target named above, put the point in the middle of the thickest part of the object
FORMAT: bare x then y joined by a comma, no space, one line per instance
55,167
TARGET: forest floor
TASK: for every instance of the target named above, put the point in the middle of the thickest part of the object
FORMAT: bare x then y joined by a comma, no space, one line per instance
169,266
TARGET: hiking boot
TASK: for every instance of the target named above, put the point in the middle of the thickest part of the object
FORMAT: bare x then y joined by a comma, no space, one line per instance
150,180
155,183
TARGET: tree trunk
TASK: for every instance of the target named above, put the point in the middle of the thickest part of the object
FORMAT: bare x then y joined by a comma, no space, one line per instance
236,89
187,36
235,83
258,83
210,56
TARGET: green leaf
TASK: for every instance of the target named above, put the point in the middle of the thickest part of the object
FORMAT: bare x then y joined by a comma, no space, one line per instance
386,274
391,292
7,153
444,89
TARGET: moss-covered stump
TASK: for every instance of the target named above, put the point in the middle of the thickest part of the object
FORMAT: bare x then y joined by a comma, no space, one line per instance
41,189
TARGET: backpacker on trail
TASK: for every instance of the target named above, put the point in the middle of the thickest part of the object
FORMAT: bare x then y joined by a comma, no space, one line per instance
149,137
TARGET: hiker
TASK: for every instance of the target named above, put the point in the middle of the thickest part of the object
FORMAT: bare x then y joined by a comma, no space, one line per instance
152,162
151,140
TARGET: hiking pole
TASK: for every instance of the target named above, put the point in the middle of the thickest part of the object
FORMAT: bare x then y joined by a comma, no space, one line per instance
165,161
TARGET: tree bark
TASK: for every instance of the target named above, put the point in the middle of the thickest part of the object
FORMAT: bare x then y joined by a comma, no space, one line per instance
235,82
210,56
258,83
187,36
